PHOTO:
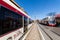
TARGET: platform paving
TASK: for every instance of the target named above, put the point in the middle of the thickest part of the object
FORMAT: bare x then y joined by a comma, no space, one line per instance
34,33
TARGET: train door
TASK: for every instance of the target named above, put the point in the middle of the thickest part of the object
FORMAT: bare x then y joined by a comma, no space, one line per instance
25,24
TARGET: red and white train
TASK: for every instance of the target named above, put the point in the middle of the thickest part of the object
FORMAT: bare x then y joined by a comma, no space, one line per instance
13,20
52,21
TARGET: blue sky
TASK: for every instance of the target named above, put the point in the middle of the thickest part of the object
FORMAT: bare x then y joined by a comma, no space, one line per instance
39,8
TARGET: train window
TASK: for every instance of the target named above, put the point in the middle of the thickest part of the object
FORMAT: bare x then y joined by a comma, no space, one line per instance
29,21
0,7
25,21
0,21
9,20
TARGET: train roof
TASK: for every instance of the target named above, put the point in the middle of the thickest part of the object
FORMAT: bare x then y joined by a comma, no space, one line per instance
10,4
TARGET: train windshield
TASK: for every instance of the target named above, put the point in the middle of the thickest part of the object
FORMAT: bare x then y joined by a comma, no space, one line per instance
52,22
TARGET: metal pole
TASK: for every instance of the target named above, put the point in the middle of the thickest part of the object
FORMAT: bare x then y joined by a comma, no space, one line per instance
27,22
23,23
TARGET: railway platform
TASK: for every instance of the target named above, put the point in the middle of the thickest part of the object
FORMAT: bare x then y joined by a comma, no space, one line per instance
33,33
40,32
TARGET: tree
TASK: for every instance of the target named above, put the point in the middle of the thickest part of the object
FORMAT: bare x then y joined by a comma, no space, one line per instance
52,14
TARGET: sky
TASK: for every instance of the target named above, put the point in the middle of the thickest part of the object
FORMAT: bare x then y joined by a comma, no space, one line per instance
39,9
